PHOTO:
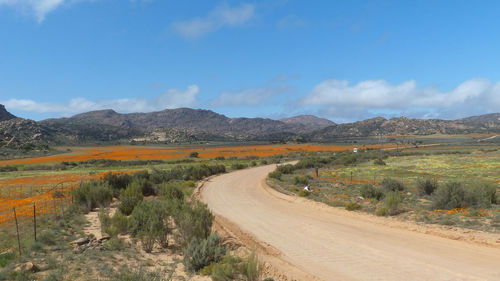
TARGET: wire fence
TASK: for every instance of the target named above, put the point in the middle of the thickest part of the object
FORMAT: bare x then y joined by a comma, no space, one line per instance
22,213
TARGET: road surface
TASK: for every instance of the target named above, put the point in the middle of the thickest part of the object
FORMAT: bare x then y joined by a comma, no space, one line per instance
331,245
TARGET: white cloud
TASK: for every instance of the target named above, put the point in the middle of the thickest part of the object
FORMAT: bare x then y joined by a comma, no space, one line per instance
248,97
172,98
38,8
339,97
221,16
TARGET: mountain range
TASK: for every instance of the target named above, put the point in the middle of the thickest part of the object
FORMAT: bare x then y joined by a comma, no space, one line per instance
185,125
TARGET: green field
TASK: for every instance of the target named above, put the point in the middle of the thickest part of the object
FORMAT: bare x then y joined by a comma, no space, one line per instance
340,184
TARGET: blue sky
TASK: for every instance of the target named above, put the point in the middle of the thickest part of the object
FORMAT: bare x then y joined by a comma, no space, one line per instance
342,60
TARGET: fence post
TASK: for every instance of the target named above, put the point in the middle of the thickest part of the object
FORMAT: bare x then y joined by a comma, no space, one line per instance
61,203
351,177
34,219
54,207
17,230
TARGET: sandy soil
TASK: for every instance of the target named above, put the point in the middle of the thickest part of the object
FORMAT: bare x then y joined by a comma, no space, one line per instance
333,244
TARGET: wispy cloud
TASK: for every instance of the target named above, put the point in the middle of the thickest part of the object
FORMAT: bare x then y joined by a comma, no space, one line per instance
248,97
335,98
256,96
221,16
172,98
39,9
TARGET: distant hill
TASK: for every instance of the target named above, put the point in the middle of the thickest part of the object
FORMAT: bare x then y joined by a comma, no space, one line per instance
107,125
309,121
486,120
405,126
186,125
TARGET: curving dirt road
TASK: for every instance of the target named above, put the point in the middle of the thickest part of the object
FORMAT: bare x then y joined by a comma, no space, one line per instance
333,245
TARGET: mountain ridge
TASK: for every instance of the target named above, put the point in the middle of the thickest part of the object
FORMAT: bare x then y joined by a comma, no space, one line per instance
198,125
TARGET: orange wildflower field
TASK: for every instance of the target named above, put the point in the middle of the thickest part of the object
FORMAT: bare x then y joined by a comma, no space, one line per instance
22,192
164,153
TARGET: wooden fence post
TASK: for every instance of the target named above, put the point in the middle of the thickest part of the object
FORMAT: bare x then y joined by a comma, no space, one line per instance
17,230
34,219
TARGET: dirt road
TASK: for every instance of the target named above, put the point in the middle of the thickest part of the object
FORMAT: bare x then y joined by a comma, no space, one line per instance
333,245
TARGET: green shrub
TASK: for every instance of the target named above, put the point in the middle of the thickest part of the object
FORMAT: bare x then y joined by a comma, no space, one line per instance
130,197
193,154
202,252
268,279
275,175
92,195
251,268
369,191
6,258
392,201
302,180
145,184
238,166
234,268
347,159
457,195
449,196
286,169
114,244
194,221
194,172
188,183
35,247
483,194
171,191
392,185
263,162
117,181
303,193
381,211
426,186
226,270
149,223
220,158
105,220
118,224
311,162
352,206
253,164
48,237
379,162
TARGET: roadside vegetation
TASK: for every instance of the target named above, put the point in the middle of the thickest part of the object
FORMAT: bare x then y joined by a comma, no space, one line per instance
449,185
152,228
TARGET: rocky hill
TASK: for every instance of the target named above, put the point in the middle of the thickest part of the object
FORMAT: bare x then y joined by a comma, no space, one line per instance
108,125
488,120
17,131
405,126
184,125
309,121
